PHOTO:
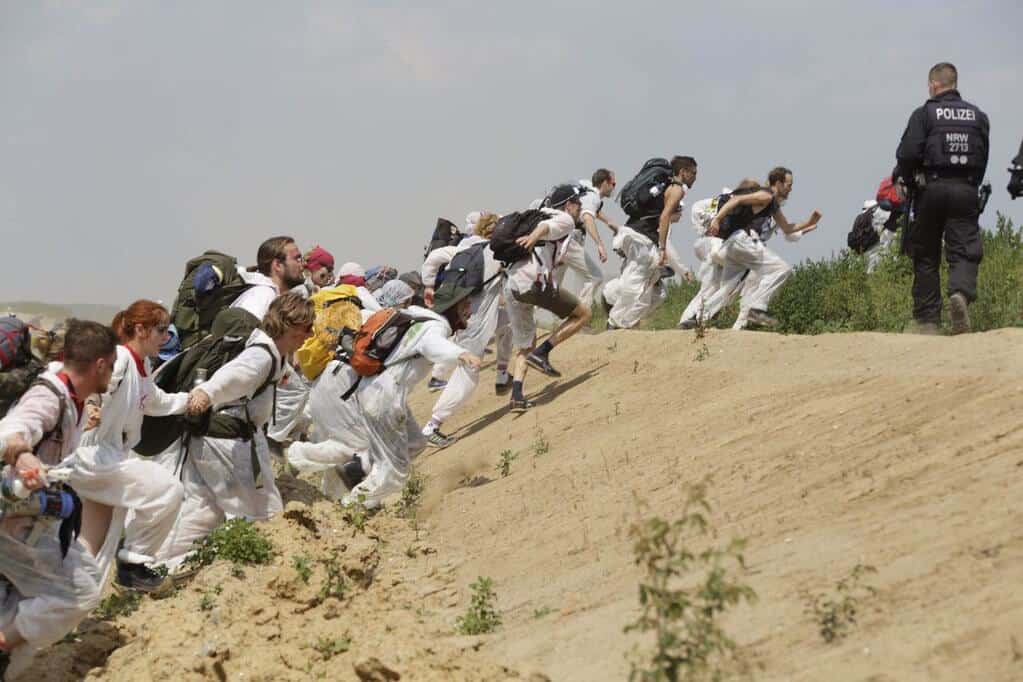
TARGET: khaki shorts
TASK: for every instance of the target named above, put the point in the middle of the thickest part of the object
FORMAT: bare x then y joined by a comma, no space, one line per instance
520,311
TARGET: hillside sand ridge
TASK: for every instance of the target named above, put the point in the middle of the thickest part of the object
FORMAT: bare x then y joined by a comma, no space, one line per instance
896,451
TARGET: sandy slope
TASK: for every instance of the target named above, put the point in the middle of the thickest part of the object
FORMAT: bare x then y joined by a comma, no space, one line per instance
901,452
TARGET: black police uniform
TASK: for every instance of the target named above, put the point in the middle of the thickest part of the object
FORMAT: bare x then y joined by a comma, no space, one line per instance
1016,175
946,141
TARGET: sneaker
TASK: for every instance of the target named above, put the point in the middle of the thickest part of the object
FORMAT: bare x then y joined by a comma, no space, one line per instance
958,310
686,325
436,385
502,387
520,406
351,473
760,318
543,364
141,578
436,439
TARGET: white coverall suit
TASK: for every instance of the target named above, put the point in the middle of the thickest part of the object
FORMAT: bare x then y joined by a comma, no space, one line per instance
488,318
113,477
375,422
44,594
576,257
217,473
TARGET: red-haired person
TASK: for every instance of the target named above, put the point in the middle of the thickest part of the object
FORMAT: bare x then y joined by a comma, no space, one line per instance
114,481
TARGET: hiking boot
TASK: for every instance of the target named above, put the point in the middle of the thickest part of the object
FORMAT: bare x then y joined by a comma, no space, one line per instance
141,578
687,325
436,439
760,318
541,363
958,310
502,387
351,473
436,385
520,406
923,328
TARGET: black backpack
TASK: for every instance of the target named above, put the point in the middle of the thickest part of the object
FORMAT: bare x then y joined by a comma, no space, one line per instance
644,194
862,237
193,312
446,233
467,270
231,329
509,228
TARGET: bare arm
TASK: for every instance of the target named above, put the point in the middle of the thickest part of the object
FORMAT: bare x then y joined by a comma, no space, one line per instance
591,229
672,196
806,226
611,226
538,233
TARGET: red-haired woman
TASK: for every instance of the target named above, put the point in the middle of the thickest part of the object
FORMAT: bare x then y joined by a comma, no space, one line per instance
111,476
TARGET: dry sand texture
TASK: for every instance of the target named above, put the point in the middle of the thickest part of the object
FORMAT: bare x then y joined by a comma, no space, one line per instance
902,452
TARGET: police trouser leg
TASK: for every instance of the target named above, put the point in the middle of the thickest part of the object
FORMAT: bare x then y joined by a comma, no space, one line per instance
946,210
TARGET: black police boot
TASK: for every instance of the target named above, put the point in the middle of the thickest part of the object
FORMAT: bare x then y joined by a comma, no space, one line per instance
351,473
141,578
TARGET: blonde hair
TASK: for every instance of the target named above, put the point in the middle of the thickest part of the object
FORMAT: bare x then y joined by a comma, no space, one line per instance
485,225
288,311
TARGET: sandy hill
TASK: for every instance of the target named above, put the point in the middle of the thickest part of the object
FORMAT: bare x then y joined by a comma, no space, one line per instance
901,452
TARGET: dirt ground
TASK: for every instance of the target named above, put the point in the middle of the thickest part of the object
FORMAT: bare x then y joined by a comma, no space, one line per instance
901,452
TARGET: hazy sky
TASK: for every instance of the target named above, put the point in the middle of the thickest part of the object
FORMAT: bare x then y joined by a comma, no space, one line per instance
138,134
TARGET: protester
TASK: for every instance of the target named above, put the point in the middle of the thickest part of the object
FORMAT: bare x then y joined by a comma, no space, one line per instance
530,284
228,478
395,294
743,250
576,258
354,275
366,436
643,241
113,480
488,320
319,271
278,269
49,589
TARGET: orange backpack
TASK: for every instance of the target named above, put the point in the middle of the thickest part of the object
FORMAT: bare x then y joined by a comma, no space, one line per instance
366,349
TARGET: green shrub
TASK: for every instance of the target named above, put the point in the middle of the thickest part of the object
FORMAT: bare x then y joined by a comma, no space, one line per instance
237,541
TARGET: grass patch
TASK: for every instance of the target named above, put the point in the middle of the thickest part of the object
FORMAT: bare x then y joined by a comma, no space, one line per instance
482,616
237,541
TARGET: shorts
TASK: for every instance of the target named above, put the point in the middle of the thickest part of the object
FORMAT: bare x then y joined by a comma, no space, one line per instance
560,302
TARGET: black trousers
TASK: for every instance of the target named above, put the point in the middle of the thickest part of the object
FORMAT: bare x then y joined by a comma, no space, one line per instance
945,209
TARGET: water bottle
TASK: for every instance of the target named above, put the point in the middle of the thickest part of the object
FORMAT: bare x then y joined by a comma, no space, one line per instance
200,376
13,489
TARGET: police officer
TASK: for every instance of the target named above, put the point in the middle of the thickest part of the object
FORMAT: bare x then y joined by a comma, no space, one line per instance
1016,175
943,154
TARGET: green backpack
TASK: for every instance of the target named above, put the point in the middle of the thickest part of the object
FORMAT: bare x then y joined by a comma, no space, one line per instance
229,332
193,312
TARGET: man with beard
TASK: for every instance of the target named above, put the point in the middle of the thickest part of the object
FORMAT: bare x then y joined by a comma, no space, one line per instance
278,269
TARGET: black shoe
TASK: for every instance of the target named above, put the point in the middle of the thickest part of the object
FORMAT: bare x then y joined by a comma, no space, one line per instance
520,406
503,388
351,473
541,363
141,578
687,325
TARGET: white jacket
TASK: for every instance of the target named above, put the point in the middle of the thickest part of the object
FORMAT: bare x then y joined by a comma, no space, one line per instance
36,413
257,298
130,396
541,263
234,383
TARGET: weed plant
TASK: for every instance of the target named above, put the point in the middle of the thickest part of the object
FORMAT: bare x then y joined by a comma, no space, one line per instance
237,541
328,648
683,594
302,567
504,463
835,613
541,446
482,616
119,604
411,496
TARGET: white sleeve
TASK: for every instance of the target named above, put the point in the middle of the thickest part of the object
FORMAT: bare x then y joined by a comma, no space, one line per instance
239,378
591,204
256,300
160,404
34,415
437,347
437,259
559,225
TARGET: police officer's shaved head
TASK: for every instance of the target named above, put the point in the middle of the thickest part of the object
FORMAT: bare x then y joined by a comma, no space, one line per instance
944,74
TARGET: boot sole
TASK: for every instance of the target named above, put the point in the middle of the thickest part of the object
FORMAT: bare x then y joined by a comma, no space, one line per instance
960,314
538,367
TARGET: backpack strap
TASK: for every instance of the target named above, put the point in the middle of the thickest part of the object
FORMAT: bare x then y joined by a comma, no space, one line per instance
56,434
